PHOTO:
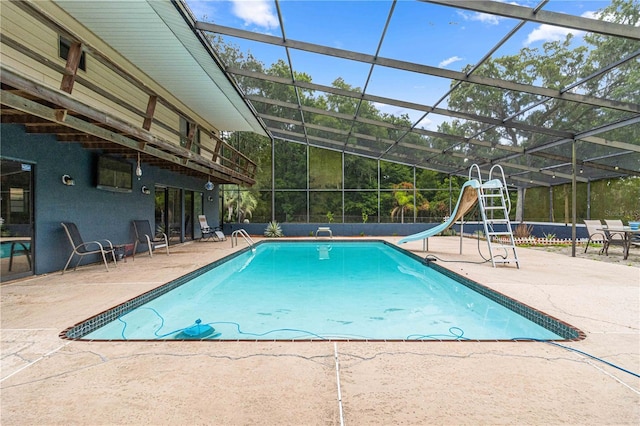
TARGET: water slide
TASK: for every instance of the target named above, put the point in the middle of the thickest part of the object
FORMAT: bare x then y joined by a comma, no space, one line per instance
467,200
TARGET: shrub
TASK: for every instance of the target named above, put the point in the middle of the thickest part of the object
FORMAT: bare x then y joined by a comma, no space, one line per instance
330,217
273,230
523,231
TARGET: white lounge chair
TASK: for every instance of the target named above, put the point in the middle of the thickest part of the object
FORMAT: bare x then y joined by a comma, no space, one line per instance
209,232
615,238
206,233
595,234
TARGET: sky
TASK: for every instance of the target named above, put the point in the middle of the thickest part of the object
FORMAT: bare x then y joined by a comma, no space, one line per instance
419,32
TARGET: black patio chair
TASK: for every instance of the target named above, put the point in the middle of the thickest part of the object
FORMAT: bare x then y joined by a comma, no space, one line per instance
144,235
81,249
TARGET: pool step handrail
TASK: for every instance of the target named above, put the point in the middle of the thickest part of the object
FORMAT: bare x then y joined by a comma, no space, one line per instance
243,234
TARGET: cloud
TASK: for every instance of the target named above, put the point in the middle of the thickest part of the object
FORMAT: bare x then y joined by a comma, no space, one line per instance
484,18
428,124
449,61
546,32
592,15
256,12
489,19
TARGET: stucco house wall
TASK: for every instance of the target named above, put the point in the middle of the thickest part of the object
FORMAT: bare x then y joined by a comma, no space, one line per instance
98,214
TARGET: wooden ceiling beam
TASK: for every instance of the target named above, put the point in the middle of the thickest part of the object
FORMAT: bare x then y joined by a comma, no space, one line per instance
125,134
219,173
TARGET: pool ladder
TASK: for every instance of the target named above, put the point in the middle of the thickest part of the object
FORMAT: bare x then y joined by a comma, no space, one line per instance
243,234
495,205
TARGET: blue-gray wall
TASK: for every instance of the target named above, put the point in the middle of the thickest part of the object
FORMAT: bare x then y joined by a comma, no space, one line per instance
98,214
561,231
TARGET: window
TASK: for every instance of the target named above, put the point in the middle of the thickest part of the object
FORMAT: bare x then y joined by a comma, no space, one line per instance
64,47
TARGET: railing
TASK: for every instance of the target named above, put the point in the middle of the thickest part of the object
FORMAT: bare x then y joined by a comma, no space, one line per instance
243,234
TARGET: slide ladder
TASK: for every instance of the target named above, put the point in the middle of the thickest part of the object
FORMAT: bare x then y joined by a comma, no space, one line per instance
494,205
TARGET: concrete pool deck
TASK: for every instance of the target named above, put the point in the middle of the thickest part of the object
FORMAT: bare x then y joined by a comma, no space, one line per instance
47,380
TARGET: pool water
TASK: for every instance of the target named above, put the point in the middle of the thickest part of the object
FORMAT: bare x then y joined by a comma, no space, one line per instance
309,290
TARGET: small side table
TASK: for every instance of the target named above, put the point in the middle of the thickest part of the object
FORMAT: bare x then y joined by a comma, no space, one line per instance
120,251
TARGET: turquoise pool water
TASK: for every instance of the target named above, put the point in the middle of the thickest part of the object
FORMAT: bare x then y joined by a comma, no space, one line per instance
320,290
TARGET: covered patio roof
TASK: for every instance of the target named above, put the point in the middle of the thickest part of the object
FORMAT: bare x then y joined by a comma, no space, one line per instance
160,41
541,150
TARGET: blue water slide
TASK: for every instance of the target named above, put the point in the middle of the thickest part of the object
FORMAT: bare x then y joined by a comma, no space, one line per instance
466,201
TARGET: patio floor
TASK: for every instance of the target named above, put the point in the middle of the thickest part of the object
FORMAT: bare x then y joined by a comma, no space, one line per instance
47,380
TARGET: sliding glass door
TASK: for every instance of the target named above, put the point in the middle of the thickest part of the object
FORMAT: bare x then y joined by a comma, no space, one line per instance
188,215
174,216
16,219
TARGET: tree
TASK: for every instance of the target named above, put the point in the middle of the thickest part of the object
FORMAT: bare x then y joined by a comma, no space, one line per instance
239,203
403,194
557,64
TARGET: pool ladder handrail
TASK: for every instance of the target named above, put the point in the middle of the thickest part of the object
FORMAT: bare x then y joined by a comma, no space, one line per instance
243,234
476,168
505,190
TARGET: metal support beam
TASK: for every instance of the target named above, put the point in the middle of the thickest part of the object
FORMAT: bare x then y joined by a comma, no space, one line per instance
510,10
574,199
418,68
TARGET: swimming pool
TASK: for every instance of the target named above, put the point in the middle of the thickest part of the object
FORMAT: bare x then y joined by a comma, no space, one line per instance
329,290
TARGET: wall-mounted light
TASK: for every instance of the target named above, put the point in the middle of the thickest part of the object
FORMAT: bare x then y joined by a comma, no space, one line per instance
145,190
68,180
138,168
209,185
